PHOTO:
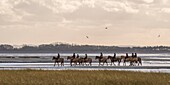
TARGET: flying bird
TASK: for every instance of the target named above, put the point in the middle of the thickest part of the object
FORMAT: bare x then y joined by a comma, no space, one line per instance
159,35
87,36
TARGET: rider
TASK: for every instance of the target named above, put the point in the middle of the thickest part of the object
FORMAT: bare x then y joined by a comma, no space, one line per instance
77,55
126,55
114,55
135,55
101,54
58,55
85,56
74,55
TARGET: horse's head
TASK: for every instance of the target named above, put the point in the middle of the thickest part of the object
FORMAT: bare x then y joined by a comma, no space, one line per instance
68,57
53,58
109,57
97,57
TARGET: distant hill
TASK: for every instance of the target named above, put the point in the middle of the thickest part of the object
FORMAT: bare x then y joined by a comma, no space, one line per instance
70,48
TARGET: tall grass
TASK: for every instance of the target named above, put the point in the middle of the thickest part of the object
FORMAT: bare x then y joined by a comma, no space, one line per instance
74,77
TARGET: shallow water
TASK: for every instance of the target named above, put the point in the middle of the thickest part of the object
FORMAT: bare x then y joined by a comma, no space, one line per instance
43,61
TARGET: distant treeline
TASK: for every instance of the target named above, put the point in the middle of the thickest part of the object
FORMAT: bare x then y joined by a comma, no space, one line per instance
70,48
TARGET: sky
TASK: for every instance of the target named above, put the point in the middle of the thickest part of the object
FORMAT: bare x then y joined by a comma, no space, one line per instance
129,22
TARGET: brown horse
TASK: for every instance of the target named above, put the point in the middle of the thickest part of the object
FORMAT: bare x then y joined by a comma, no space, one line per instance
101,59
73,60
80,60
132,60
58,60
136,60
87,60
114,59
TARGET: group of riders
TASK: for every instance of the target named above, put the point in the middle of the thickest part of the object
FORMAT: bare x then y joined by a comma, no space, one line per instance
133,59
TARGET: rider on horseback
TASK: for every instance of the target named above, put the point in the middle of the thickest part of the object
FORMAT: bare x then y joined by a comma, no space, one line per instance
74,55
135,55
58,55
101,54
85,56
114,55
126,56
77,55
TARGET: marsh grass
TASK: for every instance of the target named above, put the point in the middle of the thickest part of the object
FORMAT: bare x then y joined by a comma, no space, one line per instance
75,77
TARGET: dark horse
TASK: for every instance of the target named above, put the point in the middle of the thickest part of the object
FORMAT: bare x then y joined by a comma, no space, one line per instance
87,60
80,60
58,60
132,59
101,59
73,59
114,59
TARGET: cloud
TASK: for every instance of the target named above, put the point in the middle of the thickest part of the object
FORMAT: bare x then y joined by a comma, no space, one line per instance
117,6
165,10
60,6
148,1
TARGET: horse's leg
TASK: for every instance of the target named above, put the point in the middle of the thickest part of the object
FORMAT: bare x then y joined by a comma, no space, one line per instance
54,63
71,63
118,63
114,63
131,63
58,63
111,63
62,63
140,63
124,63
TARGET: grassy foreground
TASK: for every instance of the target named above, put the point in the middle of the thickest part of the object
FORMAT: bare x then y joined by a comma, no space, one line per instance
68,77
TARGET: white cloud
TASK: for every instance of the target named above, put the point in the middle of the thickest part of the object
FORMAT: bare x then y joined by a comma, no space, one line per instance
165,10
89,3
60,6
118,6
148,1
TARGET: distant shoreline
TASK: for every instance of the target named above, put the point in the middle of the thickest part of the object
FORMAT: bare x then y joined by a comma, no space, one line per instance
72,48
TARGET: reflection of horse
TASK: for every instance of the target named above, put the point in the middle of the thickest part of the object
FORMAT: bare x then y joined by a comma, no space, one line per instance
58,60
101,59
87,60
114,59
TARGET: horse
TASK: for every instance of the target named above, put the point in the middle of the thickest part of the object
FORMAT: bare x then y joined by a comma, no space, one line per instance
101,59
136,60
80,60
131,60
114,59
73,60
58,60
89,60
